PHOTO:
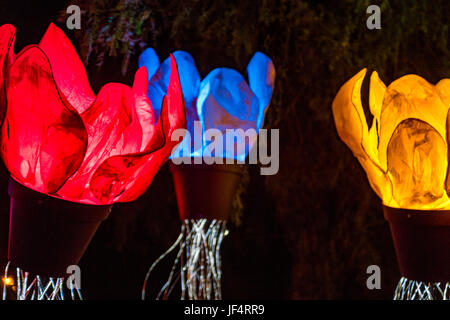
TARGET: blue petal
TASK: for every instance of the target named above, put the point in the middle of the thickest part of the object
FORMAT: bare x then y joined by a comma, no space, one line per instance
150,60
189,76
226,102
156,95
189,79
261,76
190,84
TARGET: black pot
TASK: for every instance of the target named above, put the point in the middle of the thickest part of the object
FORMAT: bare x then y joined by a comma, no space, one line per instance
205,191
422,243
48,234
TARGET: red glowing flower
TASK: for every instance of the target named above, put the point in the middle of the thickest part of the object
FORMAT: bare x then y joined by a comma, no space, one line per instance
60,139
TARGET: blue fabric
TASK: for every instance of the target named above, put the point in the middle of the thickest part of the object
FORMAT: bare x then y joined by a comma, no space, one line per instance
222,100
226,101
261,77
150,60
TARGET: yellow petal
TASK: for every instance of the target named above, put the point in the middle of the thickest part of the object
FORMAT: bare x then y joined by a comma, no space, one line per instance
447,180
376,94
409,97
443,88
349,116
416,160
352,128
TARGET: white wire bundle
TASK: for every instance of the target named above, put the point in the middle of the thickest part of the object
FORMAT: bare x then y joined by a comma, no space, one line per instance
198,262
418,290
30,287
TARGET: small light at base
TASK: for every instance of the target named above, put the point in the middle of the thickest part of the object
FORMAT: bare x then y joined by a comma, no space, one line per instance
9,281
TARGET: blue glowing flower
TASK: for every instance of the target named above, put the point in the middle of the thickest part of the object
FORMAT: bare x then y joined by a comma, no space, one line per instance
223,100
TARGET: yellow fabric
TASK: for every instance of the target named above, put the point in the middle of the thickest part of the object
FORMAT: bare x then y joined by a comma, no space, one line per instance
404,153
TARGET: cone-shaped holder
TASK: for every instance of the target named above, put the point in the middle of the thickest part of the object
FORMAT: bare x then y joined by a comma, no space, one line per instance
422,243
48,234
205,191
4,227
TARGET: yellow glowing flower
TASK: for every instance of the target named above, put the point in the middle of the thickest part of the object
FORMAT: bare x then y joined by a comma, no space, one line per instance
404,152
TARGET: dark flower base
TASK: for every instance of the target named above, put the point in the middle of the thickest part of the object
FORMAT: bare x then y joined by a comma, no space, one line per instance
422,243
48,234
205,191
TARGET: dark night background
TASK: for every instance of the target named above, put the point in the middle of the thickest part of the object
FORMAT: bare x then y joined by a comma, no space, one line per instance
310,231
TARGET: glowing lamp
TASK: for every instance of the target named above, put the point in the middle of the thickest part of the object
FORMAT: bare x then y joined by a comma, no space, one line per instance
205,183
405,156
222,101
72,154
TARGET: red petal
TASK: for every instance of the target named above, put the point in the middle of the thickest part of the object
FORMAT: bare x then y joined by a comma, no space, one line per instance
43,140
68,70
174,102
113,129
7,37
125,178
117,175
144,108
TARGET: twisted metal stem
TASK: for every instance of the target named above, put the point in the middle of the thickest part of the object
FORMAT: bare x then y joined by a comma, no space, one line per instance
197,265
418,290
34,287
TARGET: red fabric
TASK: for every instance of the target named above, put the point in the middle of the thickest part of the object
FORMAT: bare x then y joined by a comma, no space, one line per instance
68,70
43,140
7,37
58,138
140,169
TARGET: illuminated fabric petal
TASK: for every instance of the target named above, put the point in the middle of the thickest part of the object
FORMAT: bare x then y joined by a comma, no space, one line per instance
226,102
43,138
189,79
113,128
7,37
68,70
447,179
125,178
261,78
443,89
156,95
414,159
223,95
376,95
410,128
143,106
150,60
157,87
352,128
349,115
189,76
410,97
59,139
190,84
